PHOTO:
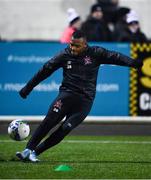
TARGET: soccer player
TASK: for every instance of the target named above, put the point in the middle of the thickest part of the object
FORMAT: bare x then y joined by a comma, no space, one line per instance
80,64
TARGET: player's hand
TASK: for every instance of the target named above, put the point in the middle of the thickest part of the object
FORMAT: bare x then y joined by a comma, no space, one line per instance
23,93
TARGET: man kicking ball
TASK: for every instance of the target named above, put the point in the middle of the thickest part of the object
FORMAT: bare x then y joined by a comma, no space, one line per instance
80,64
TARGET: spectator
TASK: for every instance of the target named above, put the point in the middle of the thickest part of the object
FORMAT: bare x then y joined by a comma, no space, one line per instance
95,27
120,24
132,32
109,8
74,24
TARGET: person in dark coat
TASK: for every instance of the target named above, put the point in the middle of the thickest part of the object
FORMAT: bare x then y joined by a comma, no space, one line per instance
120,23
109,8
80,63
132,31
95,27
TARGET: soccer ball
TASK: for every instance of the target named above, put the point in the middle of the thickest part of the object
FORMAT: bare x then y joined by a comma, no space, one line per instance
18,130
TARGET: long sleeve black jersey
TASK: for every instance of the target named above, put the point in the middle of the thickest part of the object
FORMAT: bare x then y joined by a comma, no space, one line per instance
80,72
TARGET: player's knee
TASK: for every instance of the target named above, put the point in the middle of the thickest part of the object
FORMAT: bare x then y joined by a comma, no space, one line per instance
67,127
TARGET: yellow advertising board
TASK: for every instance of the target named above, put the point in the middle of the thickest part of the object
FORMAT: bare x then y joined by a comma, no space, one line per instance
140,81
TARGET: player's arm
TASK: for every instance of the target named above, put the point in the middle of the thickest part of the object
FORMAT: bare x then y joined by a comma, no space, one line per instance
47,69
111,57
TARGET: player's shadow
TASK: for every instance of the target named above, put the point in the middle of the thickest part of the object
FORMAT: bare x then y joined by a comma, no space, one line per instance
4,159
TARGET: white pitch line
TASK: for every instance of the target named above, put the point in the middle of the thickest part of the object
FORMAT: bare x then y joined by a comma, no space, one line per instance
10,141
107,142
89,142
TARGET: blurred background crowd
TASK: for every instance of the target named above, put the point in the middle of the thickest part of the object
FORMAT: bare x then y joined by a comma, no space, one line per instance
56,20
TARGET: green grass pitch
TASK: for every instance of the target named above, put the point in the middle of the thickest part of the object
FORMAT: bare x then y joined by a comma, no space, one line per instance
101,157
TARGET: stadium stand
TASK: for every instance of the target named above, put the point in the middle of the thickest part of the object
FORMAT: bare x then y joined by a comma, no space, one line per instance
35,19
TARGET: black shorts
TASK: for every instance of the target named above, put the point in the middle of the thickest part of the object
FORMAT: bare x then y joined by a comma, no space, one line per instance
73,107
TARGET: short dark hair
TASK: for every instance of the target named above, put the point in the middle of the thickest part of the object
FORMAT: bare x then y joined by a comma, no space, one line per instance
78,34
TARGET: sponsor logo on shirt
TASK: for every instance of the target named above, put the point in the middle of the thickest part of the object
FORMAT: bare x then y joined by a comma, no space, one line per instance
87,60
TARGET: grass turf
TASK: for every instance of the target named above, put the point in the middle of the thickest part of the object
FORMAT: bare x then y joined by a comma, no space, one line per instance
109,157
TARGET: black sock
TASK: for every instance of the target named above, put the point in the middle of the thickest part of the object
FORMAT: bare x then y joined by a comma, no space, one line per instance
52,140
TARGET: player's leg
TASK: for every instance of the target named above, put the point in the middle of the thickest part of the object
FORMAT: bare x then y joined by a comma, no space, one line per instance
72,120
55,114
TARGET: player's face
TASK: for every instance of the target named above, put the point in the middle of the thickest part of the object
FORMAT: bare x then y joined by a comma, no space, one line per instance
77,46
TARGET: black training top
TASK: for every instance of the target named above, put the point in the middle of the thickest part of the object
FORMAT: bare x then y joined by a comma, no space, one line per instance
80,72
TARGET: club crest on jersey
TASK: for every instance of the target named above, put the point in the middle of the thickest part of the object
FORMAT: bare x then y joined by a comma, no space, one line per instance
69,65
57,106
87,60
